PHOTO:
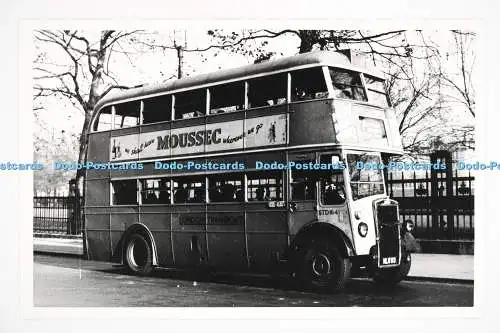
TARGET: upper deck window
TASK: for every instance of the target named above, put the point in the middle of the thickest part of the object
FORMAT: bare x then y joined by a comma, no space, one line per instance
127,114
104,120
157,109
190,104
347,84
376,91
267,91
227,97
308,84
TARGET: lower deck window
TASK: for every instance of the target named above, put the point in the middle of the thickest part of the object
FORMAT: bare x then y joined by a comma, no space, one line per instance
124,192
265,186
225,188
189,189
155,191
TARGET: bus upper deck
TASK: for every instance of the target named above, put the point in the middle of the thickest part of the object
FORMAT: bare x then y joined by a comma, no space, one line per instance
313,99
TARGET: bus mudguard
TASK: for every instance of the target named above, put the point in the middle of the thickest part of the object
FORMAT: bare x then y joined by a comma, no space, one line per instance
136,228
314,229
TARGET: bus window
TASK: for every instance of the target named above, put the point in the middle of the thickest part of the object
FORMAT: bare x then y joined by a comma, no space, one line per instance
265,186
365,183
189,189
266,91
227,97
190,104
347,84
155,191
157,109
376,91
124,192
225,188
332,183
304,183
127,114
103,122
373,130
308,84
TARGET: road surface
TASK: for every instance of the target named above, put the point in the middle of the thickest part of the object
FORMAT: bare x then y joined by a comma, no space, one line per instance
72,282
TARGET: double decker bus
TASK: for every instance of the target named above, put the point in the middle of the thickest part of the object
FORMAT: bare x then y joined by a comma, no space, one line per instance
269,167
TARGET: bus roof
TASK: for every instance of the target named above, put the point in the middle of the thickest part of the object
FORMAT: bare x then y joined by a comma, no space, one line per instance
329,58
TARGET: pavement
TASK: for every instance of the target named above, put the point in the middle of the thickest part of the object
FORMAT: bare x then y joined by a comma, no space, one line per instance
425,266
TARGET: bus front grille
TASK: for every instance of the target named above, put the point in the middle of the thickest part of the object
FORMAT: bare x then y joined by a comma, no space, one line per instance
388,232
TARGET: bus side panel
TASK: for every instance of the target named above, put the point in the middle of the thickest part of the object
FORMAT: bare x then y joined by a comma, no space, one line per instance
97,193
226,237
311,123
158,220
189,235
98,245
98,150
267,236
121,219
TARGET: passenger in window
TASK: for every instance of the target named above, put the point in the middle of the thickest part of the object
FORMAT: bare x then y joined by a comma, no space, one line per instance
227,192
259,192
199,195
239,195
262,193
151,197
164,197
299,94
333,194
181,195
215,194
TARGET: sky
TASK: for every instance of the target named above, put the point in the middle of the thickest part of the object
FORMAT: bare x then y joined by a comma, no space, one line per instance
146,66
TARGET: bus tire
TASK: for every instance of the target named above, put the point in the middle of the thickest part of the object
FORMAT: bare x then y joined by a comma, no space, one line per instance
322,266
138,255
392,276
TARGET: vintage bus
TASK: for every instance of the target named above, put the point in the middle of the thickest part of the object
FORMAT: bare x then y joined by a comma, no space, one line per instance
254,169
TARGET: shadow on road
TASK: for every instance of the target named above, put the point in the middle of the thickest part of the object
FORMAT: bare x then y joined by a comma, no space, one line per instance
354,286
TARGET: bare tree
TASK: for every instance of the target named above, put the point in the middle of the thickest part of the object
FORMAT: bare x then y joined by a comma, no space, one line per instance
460,81
81,74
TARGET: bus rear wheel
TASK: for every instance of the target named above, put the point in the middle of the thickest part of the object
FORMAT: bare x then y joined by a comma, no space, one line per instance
139,255
322,266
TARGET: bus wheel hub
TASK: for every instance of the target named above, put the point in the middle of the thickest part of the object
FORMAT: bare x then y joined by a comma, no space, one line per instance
321,265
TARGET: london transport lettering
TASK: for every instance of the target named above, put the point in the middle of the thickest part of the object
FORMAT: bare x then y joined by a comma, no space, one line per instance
212,220
237,134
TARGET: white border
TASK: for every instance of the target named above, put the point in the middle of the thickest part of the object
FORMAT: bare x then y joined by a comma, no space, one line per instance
350,316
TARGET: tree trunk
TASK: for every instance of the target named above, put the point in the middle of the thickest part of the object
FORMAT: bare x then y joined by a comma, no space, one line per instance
307,40
82,154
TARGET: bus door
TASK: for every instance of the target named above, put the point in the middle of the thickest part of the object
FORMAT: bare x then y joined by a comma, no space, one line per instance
189,221
302,195
225,222
333,205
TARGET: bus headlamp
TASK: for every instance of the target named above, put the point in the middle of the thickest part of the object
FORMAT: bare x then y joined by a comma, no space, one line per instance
363,229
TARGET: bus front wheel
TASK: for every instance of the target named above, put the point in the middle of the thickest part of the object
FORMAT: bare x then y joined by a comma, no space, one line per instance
322,266
139,255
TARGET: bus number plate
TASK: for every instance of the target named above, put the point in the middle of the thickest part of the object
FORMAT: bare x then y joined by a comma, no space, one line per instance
276,204
389,261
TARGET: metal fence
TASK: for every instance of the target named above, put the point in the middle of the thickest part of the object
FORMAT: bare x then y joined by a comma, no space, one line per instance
60,215
440,204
